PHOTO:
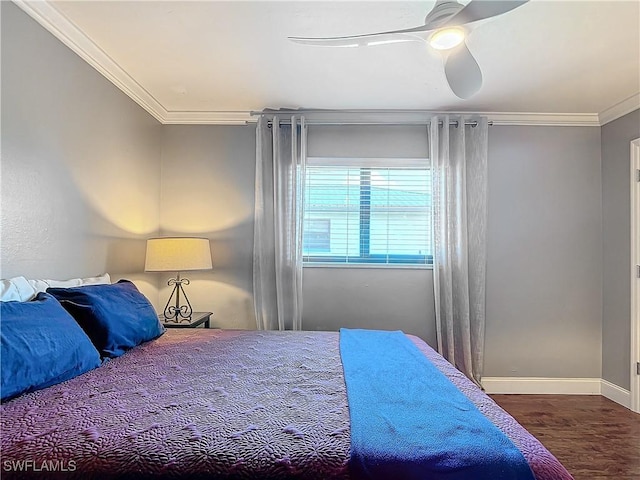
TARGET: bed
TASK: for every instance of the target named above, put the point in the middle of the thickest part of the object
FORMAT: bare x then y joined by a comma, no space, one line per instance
224,404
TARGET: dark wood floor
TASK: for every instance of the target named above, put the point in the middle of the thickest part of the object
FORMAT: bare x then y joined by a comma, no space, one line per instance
593,437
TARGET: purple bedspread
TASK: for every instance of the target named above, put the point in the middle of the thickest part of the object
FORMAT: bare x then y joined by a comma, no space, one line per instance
210,403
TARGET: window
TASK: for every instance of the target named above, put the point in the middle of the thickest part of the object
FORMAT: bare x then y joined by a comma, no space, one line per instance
367,211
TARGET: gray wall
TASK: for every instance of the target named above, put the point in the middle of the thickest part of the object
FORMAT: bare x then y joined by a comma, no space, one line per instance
384,299
207,190
80,164
544,287
616,314
372,141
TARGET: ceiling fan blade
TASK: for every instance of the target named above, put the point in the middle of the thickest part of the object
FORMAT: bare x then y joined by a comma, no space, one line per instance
378,38
481,9
462,72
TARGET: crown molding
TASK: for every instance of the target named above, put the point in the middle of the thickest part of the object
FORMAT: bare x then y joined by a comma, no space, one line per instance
64,30
419,116
620,109
45,13
544,119
239,117
218,117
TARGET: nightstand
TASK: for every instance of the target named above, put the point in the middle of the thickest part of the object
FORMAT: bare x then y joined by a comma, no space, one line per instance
197,318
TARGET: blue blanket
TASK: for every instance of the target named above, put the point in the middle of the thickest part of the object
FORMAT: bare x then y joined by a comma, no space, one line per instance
408,421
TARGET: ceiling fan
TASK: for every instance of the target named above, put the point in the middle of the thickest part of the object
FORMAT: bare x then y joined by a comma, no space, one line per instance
445,29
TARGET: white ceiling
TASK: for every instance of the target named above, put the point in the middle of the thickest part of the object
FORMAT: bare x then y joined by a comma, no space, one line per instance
191,60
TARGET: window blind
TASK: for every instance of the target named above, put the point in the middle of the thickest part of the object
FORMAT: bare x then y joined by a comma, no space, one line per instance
367,211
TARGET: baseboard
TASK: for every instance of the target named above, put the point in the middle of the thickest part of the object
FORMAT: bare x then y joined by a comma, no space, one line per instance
616,393
557,386
542,385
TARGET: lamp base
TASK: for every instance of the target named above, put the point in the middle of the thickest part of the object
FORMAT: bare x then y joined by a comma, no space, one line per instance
178,313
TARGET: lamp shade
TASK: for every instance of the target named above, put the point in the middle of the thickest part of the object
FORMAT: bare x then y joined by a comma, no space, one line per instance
176,254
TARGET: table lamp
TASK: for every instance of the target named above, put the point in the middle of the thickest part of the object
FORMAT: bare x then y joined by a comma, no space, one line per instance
177,254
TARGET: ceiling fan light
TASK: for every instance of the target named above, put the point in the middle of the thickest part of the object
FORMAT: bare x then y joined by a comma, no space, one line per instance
447,38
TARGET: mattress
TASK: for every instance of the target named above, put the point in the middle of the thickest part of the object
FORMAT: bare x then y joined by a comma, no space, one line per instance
222,404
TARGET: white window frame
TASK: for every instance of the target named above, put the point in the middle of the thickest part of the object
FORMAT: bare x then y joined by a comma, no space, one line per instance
373,163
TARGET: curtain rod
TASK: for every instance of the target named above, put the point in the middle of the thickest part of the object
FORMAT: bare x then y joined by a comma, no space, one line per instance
366,117
454,123
257,113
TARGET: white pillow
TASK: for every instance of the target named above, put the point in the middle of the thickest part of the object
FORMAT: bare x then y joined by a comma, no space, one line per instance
41,285
16,289
100,280
20,289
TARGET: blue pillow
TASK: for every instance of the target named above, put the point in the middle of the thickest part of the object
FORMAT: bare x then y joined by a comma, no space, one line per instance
117,317
40,345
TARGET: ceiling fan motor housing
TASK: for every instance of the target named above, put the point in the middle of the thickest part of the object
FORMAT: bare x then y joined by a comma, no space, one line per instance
441,12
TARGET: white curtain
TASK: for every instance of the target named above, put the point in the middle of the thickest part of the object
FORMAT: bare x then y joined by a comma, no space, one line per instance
458,155
277,243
